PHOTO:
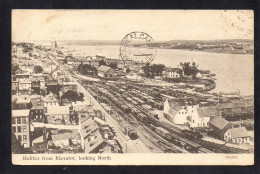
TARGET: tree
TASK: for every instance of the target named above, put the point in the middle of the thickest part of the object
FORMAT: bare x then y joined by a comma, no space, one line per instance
102,62
72,96
146,69
38,69
128,70
113,65
189,70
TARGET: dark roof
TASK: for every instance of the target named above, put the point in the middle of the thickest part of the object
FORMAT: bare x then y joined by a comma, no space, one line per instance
239,132
218,122
37,104
209,111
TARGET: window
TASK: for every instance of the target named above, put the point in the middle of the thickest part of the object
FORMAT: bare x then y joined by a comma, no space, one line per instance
24,129
13,121
19,128
18,120
14,129
24,121
193,121
24,137
19,138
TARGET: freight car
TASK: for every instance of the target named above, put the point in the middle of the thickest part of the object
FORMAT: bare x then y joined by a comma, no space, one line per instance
191,134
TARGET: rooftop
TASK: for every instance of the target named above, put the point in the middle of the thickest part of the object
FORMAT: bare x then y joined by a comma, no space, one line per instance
218,122
239,132
20,113
104,68
58,110
209,111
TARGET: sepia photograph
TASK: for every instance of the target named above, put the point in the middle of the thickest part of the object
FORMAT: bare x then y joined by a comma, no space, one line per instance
132,87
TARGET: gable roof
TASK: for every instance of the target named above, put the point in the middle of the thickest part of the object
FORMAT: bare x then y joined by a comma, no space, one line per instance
50,98
207,111
104,68
218,122
239,132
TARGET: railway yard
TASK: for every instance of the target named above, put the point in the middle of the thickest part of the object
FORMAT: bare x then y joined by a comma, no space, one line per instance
135,108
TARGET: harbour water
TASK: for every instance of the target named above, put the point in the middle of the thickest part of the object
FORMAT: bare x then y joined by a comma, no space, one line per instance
233,71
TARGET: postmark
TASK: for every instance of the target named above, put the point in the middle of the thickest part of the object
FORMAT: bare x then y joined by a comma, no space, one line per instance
135,46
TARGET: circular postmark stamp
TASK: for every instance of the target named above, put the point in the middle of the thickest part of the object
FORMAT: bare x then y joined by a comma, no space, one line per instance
138,46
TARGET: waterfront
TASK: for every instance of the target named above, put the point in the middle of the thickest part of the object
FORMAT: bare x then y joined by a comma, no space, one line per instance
233,71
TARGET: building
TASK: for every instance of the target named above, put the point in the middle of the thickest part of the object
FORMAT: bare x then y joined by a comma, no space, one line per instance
21,126
178,111
105,71
54,45
57,73
237,110
58,114
79,105
50,100
22,102
237,135
172,73
37,111
24,85
200,116
219,126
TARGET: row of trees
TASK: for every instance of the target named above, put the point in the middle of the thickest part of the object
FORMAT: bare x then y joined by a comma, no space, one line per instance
153,70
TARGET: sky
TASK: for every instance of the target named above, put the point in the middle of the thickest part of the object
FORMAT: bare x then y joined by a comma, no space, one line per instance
161,25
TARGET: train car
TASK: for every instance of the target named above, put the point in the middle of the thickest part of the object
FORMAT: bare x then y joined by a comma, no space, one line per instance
203,150
141,117
191,134
162,132
125,109
153,114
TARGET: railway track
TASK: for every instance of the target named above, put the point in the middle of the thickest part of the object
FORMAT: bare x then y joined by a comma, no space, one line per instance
212,146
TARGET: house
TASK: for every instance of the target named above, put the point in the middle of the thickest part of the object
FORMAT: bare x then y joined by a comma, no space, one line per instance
67,138
15,88
178,111
22,102
237,135
79,105
105,71
172,73
24,85
37,111
21,126
200,116
58,114
219,126
50,100
52,86
56,73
